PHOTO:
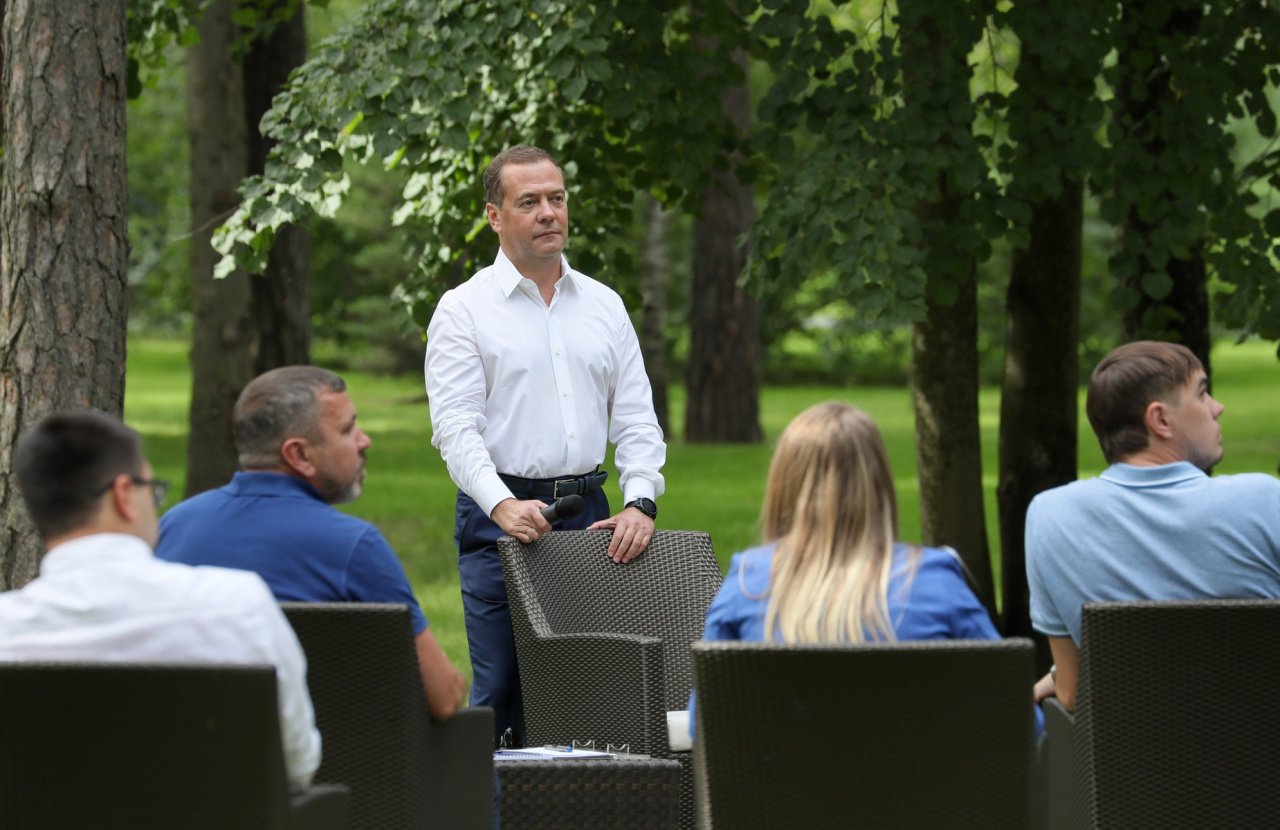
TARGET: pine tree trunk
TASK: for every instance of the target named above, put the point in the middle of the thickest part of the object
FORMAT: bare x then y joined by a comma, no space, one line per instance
223,323
723,372
1038,404
653,339
281,298
63,238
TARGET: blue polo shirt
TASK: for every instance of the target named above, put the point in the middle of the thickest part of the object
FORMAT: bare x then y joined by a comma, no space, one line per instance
278,526
1150,533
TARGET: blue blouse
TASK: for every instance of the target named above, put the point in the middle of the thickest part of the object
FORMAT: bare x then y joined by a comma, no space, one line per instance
931,602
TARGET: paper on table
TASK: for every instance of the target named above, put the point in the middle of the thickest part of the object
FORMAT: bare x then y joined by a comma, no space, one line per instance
550,753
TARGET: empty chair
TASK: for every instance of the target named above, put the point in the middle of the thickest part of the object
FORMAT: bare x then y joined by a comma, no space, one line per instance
603,648
920,734
149,747
1175,724
404,770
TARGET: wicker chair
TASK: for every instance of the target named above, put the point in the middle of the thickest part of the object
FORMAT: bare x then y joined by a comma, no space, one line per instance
149,747
604,648
404,770
1174,724
903,735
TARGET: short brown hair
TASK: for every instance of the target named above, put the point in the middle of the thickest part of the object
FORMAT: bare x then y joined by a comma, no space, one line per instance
1128,379
520,154
278,405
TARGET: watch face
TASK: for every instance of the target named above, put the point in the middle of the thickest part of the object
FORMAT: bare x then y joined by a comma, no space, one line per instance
645,506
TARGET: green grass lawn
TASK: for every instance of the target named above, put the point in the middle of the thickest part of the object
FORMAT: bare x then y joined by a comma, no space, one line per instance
718,489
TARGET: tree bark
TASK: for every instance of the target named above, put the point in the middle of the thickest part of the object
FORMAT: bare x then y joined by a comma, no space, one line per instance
723,373
1039,400
63,238
280,296
223,323
653,339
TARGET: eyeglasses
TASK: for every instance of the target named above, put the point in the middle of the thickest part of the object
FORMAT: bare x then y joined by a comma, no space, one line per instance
159,488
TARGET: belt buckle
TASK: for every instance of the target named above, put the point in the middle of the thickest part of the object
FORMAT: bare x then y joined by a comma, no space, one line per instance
555,487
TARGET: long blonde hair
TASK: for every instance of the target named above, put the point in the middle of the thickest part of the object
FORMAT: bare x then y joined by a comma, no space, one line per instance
829,504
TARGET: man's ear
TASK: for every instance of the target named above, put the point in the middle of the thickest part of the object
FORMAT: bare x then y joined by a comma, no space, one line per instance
296,455
491,211
1157,419
120,498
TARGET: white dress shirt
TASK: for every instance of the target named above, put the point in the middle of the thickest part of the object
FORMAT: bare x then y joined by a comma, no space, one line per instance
106,598
530,389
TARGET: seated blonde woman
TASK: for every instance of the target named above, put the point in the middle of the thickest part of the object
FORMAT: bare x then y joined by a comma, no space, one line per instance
831,570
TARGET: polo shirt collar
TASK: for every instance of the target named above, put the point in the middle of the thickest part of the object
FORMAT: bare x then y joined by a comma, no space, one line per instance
509,278
267,483
1162,475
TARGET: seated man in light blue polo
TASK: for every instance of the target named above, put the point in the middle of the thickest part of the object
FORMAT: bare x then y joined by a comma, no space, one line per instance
1154,525
301,452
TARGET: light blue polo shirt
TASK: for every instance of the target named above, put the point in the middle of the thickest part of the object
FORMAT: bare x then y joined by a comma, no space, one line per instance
1150,533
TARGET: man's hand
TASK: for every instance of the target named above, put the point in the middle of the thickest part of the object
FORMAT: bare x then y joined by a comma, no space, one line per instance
632,531
521,519
1045,687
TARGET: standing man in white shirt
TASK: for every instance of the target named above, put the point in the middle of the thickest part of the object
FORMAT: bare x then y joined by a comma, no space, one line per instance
102,596
531,368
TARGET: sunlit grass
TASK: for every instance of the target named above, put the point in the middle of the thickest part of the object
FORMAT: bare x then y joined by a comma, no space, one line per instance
716,488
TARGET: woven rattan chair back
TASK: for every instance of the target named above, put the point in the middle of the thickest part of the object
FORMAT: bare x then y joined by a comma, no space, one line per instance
1175,716
140,746
565,584
904,735
404,771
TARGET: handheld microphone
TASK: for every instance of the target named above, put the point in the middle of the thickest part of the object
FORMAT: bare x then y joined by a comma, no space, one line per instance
564,508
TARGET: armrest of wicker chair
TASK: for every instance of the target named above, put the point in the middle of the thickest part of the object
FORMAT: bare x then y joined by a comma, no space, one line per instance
460,783
1064,766
321,807
605,687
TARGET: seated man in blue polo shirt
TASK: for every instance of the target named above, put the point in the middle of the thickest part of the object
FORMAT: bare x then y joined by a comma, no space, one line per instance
1154,525
301,452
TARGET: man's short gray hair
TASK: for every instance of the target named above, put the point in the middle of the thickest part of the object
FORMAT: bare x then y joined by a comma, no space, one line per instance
279,405
520,154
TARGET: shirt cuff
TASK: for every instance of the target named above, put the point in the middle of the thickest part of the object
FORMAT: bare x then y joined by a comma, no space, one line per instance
638,488
489,492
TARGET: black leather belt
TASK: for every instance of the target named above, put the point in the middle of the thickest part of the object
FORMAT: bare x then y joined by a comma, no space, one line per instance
550,489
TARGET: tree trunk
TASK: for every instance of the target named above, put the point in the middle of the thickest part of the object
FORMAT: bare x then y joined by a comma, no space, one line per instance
64,244
281,298
944,360
945,344
223,324
653,338
1038,404
723,373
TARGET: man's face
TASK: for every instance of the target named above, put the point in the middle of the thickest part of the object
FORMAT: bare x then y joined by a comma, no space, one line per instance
339,454
1195,419
532,222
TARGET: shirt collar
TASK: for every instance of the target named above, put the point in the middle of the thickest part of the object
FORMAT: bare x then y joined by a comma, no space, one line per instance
95,549
509,278
1159,476
268,483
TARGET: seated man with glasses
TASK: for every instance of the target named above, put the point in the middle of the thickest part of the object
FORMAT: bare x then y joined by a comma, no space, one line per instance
103,596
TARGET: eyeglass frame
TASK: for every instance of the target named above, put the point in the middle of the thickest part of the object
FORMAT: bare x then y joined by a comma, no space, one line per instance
159,487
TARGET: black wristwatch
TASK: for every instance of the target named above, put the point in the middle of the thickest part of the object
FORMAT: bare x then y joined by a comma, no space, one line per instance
645,506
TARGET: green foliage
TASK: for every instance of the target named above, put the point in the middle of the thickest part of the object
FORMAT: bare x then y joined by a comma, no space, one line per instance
1186,74
154,26
434,89
862,133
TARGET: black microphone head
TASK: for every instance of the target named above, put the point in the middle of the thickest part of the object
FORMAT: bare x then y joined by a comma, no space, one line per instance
570,506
